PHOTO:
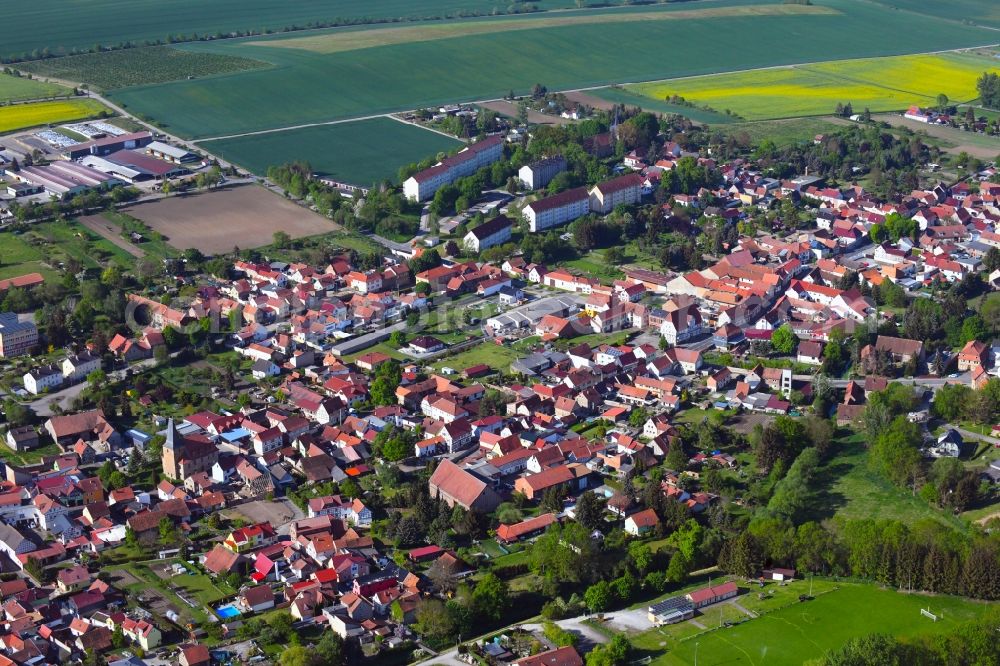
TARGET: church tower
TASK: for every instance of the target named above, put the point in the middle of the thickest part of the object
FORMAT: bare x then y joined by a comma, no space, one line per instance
171,451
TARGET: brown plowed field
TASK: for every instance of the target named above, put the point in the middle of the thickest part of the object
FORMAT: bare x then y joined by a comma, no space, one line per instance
216,221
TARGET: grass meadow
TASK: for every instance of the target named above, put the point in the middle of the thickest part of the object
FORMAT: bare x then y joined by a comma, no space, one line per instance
851,490
361,152
881,84
16,88
496,356
308,87
781,132
807,630
36,114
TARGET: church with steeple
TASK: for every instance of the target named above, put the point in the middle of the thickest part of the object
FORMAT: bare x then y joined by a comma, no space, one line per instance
184,455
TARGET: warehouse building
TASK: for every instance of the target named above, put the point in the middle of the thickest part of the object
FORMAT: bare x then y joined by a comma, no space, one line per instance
149,166
65,180
108,145
120,171
168,153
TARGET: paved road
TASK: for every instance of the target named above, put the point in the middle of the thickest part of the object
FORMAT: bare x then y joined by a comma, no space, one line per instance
968,434
391,244
64,397
933,383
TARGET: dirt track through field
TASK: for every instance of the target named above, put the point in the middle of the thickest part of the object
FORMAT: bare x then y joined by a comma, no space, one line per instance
112,232
244,216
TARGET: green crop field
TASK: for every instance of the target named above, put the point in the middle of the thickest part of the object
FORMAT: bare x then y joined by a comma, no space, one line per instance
307,86
361,152
624,96
980,12
880,84
133,67
803,631
15,88
50,25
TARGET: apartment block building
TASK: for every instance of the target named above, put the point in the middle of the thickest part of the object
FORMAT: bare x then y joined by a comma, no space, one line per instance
16,337
422,185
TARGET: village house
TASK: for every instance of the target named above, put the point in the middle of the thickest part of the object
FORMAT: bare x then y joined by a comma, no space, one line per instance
457,486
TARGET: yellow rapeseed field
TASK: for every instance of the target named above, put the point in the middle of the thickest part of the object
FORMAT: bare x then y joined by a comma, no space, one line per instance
23,116
881,84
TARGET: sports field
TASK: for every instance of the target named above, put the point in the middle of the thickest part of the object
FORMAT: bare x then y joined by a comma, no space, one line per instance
14,88
49,24
881,84
306,86
23,116
361,152
133,67
807,630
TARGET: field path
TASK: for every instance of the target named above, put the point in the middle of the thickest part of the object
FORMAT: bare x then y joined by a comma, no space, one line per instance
109,230
294,127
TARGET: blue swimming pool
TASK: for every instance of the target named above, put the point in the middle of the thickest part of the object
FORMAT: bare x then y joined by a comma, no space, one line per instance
227,612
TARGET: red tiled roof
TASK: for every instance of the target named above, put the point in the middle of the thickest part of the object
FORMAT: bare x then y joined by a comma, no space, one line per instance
516,531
